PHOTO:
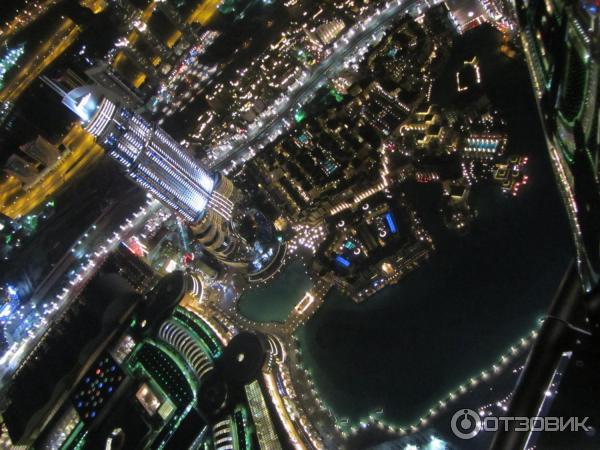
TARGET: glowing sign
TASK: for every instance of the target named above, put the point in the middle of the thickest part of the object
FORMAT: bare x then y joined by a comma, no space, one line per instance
343,261
390,221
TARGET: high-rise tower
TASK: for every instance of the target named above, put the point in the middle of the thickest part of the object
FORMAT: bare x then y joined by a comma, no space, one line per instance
156,162
149,156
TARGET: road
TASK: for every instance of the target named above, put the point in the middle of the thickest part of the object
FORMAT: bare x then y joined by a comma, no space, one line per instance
363,32
63,36
72,273
25,17
81,154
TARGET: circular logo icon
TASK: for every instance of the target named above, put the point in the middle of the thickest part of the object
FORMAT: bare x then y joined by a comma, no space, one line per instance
465,424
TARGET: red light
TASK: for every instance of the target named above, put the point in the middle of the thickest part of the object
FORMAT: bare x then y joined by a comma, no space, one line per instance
188,258
135,247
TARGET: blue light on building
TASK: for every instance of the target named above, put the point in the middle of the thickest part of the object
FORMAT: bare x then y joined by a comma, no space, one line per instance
390,222
342,261
12,292
6,310
591,6
10,302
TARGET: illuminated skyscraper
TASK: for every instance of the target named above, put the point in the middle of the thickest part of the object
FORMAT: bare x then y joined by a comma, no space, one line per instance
149,156
156,162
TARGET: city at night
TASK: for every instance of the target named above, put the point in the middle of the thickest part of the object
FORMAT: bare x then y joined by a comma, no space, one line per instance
299,224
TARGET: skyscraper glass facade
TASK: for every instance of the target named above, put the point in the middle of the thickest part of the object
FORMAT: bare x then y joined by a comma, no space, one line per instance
148,154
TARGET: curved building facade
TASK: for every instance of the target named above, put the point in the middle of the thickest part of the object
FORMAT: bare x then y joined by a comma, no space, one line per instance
181,340
214,231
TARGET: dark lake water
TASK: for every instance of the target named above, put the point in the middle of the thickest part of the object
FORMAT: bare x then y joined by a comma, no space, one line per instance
411,344
273,302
